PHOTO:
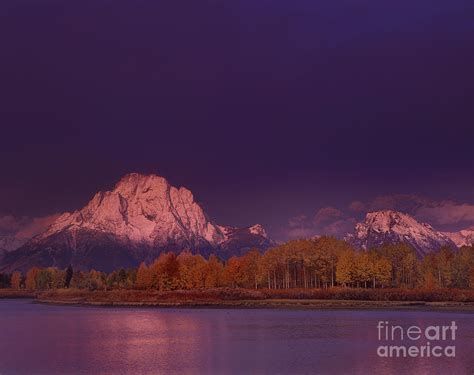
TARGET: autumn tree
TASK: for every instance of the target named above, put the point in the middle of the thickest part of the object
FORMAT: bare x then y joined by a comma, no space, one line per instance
404,264
380,269
165,272
192,270
95,280
44,279
331,248
268,267
445,260
244,271
214,273
31,276
315,263
15,280
120,279
144,277
464,268
346,268
251,262
59,279
233,272
78,280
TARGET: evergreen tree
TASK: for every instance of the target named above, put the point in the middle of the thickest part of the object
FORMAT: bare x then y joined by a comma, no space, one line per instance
69,276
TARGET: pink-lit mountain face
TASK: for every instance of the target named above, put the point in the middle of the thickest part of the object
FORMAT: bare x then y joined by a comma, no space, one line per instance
464,237
141,217
144,215
389,227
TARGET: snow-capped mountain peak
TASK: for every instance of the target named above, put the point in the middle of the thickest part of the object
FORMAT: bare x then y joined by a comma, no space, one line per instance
258,230
388,226
144,210
140,217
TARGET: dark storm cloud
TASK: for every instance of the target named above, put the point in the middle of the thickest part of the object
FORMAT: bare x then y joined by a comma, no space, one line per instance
328,221
15,231
25,226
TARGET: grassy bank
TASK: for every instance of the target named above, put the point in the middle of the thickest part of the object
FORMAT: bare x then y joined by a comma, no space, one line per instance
293,298
457,299
10,293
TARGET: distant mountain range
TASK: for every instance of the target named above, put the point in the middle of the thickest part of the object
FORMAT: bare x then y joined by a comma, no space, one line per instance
388,227
141,217
144,215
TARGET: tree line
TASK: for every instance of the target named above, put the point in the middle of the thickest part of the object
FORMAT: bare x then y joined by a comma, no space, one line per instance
320,263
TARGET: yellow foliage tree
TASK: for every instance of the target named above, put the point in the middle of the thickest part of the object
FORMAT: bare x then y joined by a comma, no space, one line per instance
214,273
31,278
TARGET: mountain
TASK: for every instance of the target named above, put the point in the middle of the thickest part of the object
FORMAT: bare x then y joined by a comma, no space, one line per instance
238,241
16,231
464,237
10,243
141,217
388,227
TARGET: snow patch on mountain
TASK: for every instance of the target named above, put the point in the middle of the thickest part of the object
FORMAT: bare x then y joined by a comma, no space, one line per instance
258,230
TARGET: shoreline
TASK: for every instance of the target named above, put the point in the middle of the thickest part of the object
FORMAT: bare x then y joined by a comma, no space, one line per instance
227,298
276,304
13,294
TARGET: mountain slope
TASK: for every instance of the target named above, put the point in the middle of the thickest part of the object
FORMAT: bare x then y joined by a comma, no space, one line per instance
239,240
141,217
10,243
16,231
464,237
389,227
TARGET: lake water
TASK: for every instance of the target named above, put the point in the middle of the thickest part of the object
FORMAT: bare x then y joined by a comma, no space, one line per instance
43,339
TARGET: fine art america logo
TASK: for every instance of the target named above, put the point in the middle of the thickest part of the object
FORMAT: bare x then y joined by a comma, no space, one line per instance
415,341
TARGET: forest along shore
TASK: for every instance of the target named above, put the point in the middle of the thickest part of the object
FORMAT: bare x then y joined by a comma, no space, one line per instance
334,298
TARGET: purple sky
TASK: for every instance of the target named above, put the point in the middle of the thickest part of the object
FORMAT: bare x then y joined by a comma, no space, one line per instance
269,111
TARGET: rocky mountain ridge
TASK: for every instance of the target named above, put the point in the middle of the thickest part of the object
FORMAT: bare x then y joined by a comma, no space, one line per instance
142,216
388,227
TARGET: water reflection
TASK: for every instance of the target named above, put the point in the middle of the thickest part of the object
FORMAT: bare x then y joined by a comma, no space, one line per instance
54,339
